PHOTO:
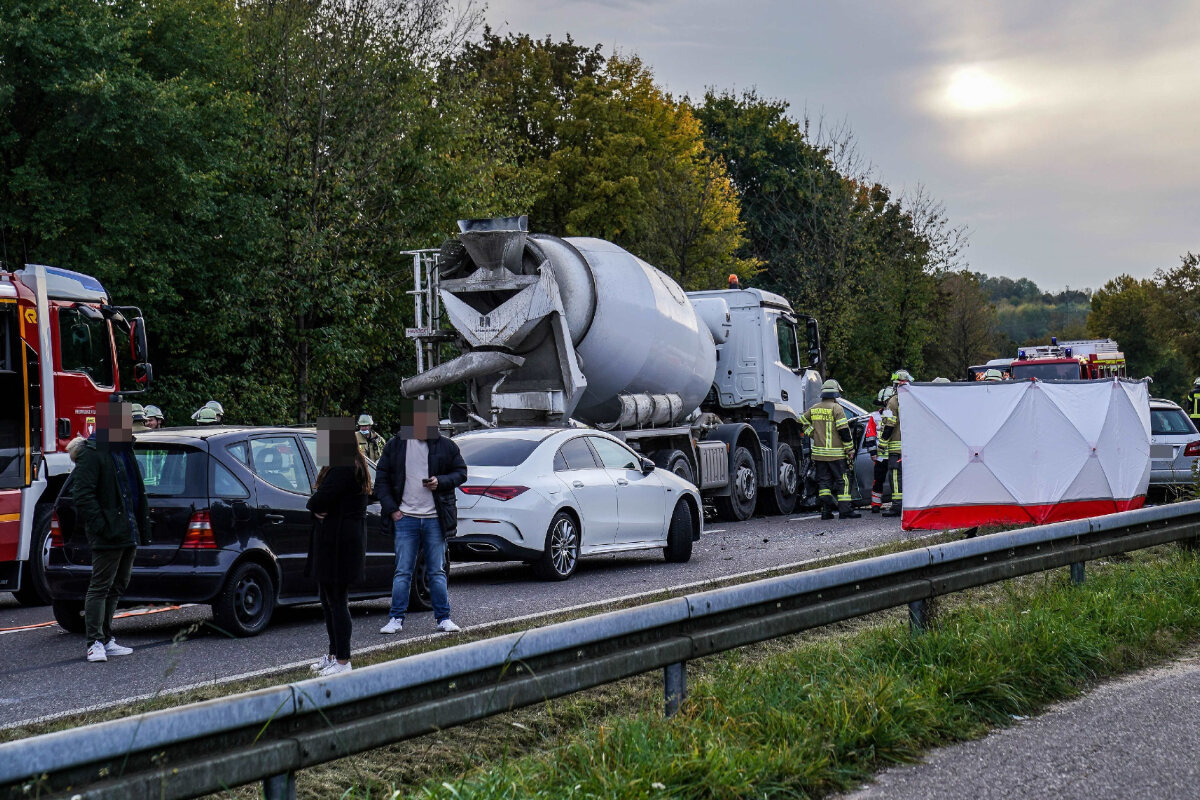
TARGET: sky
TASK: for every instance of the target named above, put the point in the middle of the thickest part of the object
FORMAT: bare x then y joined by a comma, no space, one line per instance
1065,136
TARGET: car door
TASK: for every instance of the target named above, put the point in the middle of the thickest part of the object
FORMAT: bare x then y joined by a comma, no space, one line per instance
593,489
283,487
641,497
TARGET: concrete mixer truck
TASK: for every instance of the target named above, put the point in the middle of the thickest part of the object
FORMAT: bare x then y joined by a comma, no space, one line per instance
560,331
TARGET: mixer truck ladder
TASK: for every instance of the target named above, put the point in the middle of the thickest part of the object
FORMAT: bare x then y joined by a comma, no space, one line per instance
427,332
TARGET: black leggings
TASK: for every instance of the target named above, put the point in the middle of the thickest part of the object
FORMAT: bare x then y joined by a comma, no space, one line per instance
336,605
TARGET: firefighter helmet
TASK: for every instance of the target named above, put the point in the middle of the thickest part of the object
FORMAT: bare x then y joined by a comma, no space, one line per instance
941,380
993,375
883,395
153,412
1196,382
139,413
831,387
364,420
206,416
902,376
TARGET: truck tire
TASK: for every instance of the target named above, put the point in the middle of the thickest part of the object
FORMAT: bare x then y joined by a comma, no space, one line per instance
675,462
679,535
35,590
561,554
738,506
781,498
69,615
246,602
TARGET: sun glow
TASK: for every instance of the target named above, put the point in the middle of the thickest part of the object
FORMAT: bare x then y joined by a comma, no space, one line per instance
973,90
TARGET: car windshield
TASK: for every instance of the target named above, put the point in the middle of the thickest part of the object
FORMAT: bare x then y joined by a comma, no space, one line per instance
171,470
1170,422
1046,372
495,451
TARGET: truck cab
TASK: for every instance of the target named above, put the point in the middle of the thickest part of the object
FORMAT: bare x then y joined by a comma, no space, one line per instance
766,353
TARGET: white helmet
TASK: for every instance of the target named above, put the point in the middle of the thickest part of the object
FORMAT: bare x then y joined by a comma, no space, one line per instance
365,420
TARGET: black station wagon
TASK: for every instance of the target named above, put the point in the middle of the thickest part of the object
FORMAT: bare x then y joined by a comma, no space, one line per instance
229,527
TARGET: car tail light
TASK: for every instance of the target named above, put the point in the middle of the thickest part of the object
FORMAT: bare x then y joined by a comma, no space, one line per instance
495,492
199,533
56,537
1193,448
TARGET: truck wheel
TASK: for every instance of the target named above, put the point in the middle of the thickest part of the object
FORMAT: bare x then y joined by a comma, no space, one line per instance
679,535
781,498
561,555
675,462
743,488
69,615
247,601
35,590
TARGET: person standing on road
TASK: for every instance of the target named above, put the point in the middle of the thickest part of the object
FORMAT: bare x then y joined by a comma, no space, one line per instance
415,480
891,435
822,423
110,500
1194,401
370,442
337,555
880,461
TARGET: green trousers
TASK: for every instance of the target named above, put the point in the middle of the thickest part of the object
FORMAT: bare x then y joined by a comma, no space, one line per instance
110,578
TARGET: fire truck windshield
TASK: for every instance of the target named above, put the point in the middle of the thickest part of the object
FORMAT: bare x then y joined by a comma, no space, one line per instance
1045,372
12,401
85,346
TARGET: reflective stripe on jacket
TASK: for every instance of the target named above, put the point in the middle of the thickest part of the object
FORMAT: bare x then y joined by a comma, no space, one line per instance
822,423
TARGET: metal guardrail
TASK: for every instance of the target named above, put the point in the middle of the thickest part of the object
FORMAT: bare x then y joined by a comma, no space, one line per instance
269,734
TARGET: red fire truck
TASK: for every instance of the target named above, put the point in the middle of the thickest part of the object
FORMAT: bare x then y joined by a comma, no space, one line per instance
61,347
1083,359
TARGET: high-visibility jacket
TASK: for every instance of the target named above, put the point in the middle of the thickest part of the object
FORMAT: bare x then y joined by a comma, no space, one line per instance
891,426
827,426
371,444
1195,398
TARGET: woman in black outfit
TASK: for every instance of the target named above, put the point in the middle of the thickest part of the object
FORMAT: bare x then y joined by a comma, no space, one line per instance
338,553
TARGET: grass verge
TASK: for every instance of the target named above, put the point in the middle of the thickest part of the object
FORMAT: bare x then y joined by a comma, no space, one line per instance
817,714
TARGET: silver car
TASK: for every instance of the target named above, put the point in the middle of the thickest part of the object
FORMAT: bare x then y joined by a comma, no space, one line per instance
1174,446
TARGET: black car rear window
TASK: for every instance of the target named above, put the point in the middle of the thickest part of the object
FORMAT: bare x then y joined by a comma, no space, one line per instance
1169,422
495,451
172,470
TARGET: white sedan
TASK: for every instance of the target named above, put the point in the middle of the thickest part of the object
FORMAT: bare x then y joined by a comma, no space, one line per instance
549,496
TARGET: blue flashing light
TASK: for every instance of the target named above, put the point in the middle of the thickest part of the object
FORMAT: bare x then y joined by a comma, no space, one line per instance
1053,340
1068,352
1020,354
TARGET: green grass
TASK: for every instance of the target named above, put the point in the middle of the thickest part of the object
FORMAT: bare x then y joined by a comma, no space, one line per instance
815,715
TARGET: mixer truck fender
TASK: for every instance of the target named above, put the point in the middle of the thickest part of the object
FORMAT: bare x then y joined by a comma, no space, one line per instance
735,435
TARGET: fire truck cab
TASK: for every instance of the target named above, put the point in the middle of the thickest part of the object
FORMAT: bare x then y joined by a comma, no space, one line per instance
60,354
1082,359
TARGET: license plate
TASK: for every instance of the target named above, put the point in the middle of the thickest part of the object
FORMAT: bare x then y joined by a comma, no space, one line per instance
1162,451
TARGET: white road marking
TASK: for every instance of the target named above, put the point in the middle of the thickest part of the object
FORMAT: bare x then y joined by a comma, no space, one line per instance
714,530
801,519
430,636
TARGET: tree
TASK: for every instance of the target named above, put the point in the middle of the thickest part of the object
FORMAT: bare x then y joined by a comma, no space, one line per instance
965,324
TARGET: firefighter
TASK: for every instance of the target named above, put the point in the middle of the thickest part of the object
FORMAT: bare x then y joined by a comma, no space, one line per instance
891,435
154,417
880,460
369,442
206,416
1194,398
139,419
216,409
832,451
993,375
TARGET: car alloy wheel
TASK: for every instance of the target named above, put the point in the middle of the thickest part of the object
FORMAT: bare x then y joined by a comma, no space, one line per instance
561,555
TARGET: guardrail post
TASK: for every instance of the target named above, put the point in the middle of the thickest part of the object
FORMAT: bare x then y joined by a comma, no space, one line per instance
918,616
1077,573
280,787
674,687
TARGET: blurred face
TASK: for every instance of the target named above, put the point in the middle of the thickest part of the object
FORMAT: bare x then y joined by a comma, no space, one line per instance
114,422
336,446
421,422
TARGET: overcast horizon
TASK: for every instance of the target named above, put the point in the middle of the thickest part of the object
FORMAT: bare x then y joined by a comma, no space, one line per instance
1062,137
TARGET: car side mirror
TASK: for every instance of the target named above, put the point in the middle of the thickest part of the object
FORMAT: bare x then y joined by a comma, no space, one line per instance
647,466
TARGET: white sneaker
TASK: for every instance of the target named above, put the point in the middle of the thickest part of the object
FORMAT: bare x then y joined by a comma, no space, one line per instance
448,626
325,661
393,626
95,652
335,669
113,649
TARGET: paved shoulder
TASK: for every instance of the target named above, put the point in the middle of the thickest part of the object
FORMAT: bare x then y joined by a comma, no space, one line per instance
1129,739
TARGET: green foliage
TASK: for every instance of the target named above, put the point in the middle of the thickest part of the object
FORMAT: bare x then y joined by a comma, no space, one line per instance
967,327
1026,315
1154,320
822,716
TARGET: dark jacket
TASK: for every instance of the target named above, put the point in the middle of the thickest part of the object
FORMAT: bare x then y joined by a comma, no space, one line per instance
104,498
338,552
445,463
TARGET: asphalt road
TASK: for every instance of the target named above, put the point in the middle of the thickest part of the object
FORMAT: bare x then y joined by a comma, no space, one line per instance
1132,739
43,671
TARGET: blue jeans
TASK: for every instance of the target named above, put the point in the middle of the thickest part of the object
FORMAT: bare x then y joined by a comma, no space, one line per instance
425,533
